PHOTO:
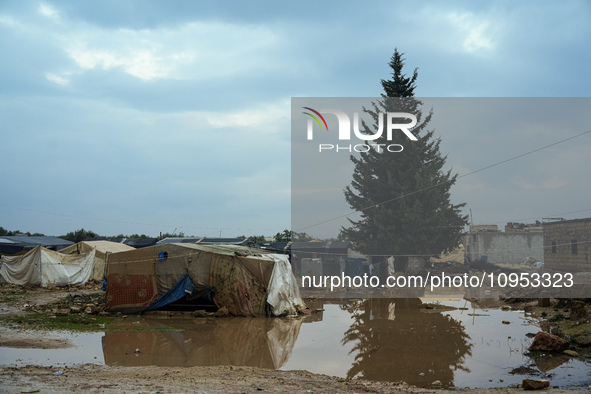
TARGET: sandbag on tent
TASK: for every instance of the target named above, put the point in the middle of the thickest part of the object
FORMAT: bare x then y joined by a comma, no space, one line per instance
47,268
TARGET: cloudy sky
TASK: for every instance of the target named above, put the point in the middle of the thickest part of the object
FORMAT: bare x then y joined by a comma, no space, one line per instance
141,117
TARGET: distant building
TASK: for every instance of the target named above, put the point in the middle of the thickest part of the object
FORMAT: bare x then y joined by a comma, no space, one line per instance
478,228
567,245
512,247
514,227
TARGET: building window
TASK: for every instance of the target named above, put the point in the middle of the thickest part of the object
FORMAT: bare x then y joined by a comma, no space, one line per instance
573,246
553,246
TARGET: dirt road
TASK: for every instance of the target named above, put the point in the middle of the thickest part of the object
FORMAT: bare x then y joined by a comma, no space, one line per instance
95,379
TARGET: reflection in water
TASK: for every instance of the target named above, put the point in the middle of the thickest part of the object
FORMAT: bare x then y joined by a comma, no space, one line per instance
395,341
255,342
548,362
375,339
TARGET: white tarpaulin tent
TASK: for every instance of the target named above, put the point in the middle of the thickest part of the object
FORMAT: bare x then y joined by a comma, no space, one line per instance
47,268
284,294
102,248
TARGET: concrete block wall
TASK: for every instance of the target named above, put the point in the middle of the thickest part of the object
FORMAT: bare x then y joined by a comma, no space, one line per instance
567,245
511,248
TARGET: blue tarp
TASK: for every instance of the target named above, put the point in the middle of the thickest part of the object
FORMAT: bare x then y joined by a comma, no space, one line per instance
182,288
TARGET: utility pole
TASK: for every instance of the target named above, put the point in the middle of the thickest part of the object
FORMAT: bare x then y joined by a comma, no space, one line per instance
471,237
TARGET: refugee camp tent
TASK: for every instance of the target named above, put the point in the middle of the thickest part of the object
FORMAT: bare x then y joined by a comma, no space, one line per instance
136,243
102,248
47,268
205,241
20,244
239,278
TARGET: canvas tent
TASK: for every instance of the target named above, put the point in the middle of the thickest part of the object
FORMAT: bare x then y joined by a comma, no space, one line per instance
247,282
204,241
46,268
102,248
133,242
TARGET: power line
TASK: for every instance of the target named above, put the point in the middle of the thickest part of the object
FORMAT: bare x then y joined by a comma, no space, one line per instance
125,222
445,182
319,223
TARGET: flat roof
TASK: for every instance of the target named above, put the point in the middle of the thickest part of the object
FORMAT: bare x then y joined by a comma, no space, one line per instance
567,221
37,240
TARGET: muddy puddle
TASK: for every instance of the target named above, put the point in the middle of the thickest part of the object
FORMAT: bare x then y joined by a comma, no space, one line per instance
86,349
454,341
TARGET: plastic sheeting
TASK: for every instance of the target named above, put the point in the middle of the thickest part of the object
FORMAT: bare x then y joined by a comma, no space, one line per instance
391,267
283,292
47,268
182,288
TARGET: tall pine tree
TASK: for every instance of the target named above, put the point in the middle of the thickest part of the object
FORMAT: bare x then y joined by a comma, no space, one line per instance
401,213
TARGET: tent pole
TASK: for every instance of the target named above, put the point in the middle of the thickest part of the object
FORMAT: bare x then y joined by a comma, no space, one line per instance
106,262
40,270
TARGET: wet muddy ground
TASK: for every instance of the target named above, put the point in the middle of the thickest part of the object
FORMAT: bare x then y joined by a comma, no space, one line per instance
361,345
456,342
100,379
